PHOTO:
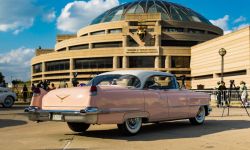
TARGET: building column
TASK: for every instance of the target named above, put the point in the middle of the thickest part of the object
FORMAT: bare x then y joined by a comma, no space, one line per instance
125,62
125,41
71,68
167,62
90,45
115,62
67,48
157,40
43,70
157,62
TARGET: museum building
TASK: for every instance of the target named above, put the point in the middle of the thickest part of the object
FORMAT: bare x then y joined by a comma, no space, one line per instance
144,35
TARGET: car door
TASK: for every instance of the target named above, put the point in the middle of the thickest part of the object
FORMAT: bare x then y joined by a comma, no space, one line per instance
177,103
177,99
155,102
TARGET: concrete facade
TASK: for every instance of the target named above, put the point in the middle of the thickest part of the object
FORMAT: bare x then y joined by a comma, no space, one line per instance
206,61
156,44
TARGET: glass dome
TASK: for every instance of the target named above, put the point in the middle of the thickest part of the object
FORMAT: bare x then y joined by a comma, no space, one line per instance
168,10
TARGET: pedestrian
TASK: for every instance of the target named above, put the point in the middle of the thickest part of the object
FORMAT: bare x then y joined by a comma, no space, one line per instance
243,93
218,94
63,84
52,86
222,90
25,93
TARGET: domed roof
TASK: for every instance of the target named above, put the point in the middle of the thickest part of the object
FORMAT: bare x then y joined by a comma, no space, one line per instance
168,10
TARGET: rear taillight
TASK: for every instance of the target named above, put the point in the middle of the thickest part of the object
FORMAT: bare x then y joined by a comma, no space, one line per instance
93,90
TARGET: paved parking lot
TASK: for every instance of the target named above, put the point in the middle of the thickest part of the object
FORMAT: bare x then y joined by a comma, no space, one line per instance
224,133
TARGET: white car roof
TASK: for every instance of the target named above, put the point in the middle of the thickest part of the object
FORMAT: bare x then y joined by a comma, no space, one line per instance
143,75
138,73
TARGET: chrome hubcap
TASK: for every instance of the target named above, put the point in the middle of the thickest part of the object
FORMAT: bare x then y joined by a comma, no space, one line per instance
133,123
201,115
8,101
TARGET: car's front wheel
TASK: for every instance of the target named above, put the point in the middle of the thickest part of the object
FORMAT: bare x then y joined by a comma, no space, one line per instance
8,102
200,117
131,126
78,127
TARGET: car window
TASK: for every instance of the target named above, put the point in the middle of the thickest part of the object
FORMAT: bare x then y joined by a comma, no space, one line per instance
160,83
121,80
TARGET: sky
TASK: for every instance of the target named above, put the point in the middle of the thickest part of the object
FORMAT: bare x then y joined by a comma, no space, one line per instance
27,24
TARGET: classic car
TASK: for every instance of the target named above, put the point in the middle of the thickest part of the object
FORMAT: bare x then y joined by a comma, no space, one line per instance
127,98
7,97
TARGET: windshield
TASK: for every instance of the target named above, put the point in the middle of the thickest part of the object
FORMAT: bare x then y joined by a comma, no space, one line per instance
116,79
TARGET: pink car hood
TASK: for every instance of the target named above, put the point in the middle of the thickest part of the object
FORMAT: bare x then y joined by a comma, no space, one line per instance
67,99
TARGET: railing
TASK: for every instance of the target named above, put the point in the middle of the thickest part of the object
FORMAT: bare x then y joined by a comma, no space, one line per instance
225,97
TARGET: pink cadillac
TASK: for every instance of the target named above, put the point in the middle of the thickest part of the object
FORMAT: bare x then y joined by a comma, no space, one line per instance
126,98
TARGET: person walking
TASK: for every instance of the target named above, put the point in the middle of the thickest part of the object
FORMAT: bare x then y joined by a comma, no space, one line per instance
222,90
218,94
243,93
25,93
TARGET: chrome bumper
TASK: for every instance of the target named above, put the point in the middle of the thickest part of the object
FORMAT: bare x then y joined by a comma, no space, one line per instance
85,115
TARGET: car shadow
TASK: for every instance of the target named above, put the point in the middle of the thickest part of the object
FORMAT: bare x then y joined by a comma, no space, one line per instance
9,123
171,130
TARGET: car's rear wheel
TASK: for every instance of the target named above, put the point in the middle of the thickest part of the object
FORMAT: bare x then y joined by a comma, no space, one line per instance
8,102
78,127
200,117
131,126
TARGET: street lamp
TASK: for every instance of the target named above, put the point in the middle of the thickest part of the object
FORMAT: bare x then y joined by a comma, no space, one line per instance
222,53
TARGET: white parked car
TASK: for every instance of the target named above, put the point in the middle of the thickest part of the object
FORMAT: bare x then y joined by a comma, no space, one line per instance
7,97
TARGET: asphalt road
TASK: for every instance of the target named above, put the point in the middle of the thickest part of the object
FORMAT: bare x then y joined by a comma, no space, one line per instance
224,133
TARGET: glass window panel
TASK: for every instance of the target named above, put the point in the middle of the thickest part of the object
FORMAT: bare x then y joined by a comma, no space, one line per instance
132,9
93,63
139,10
141,62
180,62
152,9
57,65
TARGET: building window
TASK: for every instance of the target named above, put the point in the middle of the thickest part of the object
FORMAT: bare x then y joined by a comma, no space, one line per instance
107,44
209,76
196,31
93,63
111,31
171,29
141,62
62,49
132,42
98,32
79,47
37,68
119,62
181,72
233,73
213,33
86,34
180,61
163,59
57,65
178,43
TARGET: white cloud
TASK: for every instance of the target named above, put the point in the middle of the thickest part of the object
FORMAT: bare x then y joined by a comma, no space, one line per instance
227,26
240,19
78,14
15,16
50,16
241,26
222,23
16,63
